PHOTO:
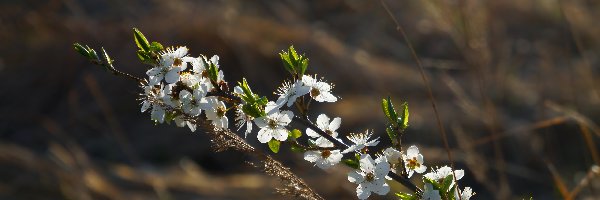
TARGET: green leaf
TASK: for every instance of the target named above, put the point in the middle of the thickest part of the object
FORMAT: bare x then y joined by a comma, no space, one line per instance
303,66
252,110
406,196
351,163
392,134
392,112
140,40
435,184
404,116
287,63
446,183
297,149
107,58
155,46
295,133
274,145
82,50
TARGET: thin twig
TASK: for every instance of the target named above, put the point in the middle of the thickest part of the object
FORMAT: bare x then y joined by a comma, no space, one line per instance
425,81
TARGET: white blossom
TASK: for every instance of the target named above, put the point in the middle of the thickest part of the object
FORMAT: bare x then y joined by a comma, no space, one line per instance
192,102
170,63
288,93
323,158
325,125
370,177
215,112
319,90
242,119
360,140
393,157
169,98
273,126
181,122
157,113
466,194
441,173
413,161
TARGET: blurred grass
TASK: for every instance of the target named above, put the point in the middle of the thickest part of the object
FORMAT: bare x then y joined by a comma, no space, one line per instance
516,84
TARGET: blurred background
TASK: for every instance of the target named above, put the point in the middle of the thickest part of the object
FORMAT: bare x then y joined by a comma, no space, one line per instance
516,84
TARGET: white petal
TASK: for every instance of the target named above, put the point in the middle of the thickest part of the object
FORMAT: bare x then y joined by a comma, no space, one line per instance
158,114
172,76
224,122
308,80
366,163
310,133
195,111
382,169
459,174
191,126
323,121
363,191
273,107
421,169
352,148
280,134
155,80
322,86
335,124
154,71
326,97
335,157
355,177
145,106
412,152
215,60
184,94
261,122
264,135
381,190
312,156
286,117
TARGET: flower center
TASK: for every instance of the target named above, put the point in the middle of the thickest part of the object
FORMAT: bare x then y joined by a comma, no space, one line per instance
370,176
325,153
314,92
177,62
221,111
272,124
329,132
412,163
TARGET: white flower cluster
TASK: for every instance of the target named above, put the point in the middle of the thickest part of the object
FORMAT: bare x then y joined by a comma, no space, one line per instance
178,83
178,89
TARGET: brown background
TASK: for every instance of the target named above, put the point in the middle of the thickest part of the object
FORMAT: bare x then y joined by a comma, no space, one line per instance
515,83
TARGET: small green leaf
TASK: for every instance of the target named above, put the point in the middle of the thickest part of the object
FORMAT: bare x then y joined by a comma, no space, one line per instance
303,66
297,149
435,184
406,196
295,133
140,40
274,145
404,116
392,134
351,163
392,112
252,110
106,57
82,50
287,63
447,183
155,46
